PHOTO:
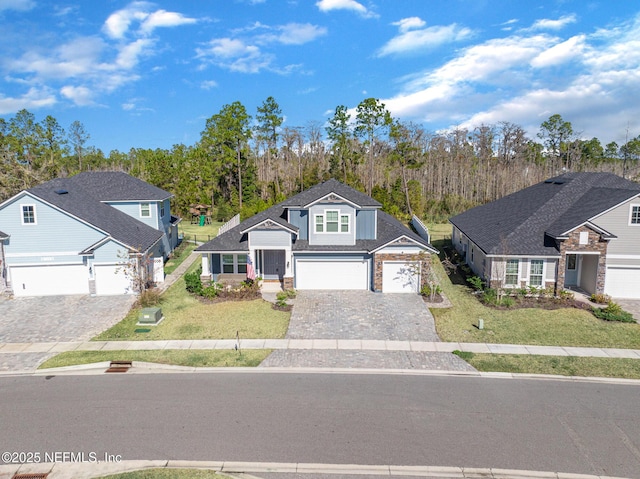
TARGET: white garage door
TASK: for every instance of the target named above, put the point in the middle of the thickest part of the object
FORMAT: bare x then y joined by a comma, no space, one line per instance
400,277
111,279
332,274
49,280
622,282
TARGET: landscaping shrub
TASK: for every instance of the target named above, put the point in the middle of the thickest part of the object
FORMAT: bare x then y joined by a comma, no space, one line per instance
212,291
600,298
613,312
507,301
476,282
428,290
490,296
149,298
193,282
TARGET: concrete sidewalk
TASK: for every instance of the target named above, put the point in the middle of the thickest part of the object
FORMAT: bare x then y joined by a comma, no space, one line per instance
318,344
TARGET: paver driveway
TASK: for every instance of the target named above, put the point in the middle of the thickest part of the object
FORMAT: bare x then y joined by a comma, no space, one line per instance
53,319
362,315
630,305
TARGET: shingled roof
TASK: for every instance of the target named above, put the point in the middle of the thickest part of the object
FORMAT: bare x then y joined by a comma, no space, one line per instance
3,235
69,196
525,222
330,186
118,186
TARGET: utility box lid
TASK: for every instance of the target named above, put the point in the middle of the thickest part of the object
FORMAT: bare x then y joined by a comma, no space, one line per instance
150,316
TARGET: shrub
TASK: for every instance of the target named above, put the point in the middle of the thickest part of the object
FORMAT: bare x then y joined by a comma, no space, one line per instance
599,298
212,291
193,282
613,312
490,296
148,298
428,289
476,282
507,302
566,295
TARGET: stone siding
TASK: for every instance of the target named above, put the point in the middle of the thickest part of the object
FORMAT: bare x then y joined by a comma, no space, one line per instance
380,258
572,245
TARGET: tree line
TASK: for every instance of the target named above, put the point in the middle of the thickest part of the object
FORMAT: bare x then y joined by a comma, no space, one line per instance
244,163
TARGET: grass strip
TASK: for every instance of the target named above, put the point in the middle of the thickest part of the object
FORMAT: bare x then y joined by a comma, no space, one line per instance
179,357
167,474
180,254
558,365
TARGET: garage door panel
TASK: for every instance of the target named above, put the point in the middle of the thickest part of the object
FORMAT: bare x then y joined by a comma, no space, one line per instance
111,279
622,282
400,277
49,280
332,275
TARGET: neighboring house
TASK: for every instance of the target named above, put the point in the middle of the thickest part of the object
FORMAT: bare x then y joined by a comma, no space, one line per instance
87,234
327,237
575,230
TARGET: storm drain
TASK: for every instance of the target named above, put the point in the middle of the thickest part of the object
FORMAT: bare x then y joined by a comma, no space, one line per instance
33,475
119,367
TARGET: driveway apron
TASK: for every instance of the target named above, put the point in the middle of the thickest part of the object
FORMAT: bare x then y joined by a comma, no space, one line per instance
54,319
362,315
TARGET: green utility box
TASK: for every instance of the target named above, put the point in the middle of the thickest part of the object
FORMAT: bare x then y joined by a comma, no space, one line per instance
150,316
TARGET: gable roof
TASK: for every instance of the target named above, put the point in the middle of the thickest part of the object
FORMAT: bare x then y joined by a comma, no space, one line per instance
525,222
68,196
118,186
388,228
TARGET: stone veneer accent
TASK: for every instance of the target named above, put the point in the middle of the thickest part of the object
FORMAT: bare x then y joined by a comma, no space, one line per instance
287,282
380,258
572,244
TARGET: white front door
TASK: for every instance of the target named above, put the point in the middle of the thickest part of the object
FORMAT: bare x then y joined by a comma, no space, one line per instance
316,274
50,280
400,277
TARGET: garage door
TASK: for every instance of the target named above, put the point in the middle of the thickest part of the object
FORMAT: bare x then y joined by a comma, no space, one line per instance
622,282
332,274
49,280
111,279
400,277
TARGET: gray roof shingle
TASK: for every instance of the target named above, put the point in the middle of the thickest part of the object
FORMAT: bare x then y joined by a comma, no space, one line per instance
118,186
522,223
331,186
74,199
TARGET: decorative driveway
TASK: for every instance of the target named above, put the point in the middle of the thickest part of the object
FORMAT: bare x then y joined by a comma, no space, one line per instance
54,319
630,305
363,315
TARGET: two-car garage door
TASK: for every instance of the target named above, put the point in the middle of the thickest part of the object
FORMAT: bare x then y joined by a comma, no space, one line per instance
622,282
318,274
49,280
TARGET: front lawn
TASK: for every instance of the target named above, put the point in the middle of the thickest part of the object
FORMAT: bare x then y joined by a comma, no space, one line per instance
558,365
561,327
197,358
188,318
168,473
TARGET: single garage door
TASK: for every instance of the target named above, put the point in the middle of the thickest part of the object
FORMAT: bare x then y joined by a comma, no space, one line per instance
313,274
50,280
400,277
622,282
111,279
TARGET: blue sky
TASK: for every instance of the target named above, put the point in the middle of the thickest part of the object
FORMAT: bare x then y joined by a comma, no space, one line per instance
149,74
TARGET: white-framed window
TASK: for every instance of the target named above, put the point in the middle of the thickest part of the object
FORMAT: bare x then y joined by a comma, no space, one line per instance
584,237
511,272
536,272
162,212
332,222
234,263
145,210
28,214
634,215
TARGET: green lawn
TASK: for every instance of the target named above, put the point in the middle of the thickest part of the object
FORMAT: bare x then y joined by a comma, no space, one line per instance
180,254
179,357
167,474
562,327
558,365
439,231
198,233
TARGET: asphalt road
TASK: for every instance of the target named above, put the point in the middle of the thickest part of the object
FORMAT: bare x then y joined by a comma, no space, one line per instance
545,425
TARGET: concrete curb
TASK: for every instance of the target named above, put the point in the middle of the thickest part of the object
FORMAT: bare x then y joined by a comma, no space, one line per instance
62,470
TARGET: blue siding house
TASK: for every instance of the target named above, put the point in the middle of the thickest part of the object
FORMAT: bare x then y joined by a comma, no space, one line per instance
330,236
96,233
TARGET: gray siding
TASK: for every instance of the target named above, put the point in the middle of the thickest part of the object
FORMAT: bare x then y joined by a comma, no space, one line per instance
365,224
300,218
332,238
132,208
616,221
269,238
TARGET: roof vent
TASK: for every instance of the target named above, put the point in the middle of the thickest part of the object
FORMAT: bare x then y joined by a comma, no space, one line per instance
61,192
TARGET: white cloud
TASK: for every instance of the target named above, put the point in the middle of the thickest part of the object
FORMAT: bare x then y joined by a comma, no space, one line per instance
299,33
208,84
18,5
547,24
410,23
560,53
329,5
235,55
128,106
32,99
80,95
119,22
411,40
162,18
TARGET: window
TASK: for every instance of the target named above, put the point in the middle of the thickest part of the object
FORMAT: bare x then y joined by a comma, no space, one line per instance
145,210
162,210
511,276
28,214
332,222
234,263
635,215
571,261
584,237
535,272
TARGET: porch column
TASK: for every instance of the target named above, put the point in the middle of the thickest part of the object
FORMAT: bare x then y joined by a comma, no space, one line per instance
288,271
206,272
